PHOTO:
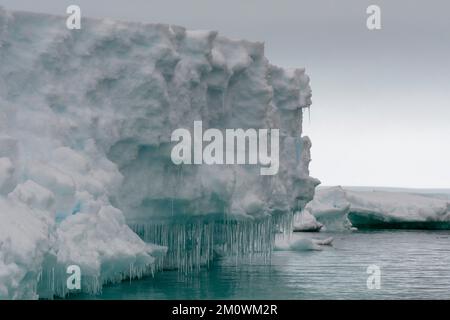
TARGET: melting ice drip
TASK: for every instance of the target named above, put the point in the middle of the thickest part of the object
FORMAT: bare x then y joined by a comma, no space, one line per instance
86,118
194,244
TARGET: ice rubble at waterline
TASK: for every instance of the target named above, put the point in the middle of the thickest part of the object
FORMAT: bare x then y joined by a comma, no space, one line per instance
85,124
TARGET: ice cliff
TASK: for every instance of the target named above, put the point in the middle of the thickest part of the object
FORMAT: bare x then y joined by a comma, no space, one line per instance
85,123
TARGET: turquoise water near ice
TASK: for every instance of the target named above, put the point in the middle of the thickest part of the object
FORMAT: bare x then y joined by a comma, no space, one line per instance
414,265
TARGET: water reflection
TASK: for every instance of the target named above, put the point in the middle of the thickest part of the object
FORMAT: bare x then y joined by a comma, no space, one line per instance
414,265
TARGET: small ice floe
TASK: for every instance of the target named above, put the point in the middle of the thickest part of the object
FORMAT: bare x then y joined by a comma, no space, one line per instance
302,244
324,242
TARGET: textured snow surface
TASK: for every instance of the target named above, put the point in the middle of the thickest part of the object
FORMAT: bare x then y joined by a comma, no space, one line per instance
85,123
339,208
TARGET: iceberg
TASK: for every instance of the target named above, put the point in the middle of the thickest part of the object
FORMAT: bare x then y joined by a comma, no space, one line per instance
304,221
86,177
327,211
340,208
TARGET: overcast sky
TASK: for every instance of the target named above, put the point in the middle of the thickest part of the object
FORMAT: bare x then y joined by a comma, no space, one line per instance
381,99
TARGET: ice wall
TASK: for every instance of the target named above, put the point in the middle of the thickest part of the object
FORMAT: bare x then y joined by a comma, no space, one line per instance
86,118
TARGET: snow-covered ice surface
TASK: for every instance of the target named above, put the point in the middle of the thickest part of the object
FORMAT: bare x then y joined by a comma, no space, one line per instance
341,208
85,123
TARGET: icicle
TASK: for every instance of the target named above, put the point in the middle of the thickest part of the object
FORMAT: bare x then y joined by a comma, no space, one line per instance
309,114
52,280
191,245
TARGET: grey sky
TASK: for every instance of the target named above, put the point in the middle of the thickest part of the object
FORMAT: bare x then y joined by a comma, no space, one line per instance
381,99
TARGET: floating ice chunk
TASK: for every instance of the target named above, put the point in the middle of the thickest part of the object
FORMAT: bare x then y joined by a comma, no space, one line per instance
304,244
330,208
306,222
296,244
324,242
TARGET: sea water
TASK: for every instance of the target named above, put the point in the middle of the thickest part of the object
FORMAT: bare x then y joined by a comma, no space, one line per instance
413,265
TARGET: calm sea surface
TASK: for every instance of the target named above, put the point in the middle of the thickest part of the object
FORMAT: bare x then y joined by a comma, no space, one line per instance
413,265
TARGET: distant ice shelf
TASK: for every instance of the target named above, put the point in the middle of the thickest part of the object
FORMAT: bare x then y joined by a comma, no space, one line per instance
85,123
340,208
